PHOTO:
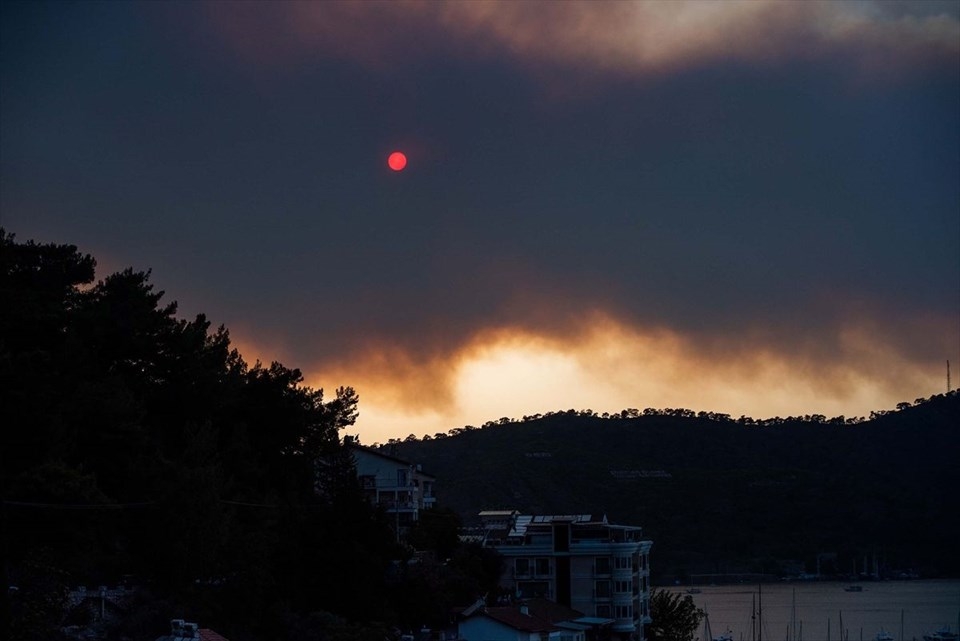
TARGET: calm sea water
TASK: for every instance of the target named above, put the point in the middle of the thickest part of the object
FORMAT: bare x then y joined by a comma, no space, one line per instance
926,606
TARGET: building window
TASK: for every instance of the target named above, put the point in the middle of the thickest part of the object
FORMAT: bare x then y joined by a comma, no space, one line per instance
603,611
602,589
401,478
543,567
602,565
622,563
522,567
622,586
623,611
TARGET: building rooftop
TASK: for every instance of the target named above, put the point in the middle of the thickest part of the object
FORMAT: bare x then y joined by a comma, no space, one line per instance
519,620
504,527
389,457
551,611
181,630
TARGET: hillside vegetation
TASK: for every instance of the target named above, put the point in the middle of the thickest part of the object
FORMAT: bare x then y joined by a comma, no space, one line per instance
722,496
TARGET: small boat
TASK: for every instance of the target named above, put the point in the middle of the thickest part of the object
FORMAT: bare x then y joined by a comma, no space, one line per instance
693,590
943,634
853,588
883,635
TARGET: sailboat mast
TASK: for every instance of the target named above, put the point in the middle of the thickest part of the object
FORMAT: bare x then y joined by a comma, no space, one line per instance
793,617
759,613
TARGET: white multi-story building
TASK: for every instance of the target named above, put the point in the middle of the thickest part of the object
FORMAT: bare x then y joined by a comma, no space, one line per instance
400,487
579,561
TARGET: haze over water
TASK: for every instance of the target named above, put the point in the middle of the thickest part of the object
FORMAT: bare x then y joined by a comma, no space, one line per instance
926,606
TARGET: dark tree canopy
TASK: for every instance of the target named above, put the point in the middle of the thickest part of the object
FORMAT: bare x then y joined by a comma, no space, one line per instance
675,617
140,446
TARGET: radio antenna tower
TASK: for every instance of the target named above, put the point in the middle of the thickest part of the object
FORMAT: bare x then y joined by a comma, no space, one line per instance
948,377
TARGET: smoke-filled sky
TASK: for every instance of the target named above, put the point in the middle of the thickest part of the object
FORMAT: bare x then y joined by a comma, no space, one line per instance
750,207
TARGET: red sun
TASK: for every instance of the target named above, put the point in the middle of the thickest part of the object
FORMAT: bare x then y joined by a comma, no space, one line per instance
397,161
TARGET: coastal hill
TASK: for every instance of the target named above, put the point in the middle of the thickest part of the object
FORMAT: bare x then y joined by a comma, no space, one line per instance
722,496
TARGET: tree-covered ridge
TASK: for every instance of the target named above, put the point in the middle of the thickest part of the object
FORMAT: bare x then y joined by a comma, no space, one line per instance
139,448
632,412
718,496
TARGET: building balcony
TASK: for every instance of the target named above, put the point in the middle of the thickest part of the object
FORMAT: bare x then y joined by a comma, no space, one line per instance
605,542
624,625
623,574
393,486
399,506
529,591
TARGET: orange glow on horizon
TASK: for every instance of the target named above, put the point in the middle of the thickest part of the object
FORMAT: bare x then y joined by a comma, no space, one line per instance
609,367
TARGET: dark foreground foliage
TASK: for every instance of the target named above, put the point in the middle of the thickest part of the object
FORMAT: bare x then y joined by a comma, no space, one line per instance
139,448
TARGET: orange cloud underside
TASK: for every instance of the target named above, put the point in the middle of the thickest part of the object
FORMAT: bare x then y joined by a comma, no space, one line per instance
609,366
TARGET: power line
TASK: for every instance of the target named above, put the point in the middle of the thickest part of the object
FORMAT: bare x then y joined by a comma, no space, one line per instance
121,506
78,506
246,504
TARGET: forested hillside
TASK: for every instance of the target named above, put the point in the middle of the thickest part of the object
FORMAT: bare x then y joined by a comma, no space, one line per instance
723,495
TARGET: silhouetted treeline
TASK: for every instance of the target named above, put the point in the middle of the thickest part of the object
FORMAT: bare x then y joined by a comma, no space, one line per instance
139,448
721,495
814,419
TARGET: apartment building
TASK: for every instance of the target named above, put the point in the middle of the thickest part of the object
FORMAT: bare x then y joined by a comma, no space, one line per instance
400,487
580,561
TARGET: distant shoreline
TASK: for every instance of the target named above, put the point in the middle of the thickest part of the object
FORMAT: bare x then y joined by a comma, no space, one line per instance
788,581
